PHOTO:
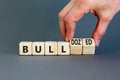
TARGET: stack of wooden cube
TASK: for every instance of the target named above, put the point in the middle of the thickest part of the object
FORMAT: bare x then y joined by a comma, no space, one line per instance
77,46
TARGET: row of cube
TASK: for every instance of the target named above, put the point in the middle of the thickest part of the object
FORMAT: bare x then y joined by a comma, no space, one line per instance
76,46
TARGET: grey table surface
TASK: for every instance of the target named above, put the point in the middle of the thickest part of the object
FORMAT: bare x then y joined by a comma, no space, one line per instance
97,67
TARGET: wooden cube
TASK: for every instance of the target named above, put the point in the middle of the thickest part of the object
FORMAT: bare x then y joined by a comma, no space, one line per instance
88,46
38,48
76,46
25,48
51,48
63,48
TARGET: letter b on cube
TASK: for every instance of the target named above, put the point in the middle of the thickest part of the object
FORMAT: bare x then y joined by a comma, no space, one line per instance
25,48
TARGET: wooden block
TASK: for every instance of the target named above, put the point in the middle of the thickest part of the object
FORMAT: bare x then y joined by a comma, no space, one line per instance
38,48
25,48
76,46
88,46
51,48
63,48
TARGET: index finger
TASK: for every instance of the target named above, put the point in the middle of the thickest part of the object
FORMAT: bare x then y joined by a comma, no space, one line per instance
75,14
62,14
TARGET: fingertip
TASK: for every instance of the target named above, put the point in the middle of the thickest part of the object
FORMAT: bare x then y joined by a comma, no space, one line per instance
67,38
69,35
96,39
97,42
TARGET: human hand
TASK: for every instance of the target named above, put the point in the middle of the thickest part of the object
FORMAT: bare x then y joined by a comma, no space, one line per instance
104,10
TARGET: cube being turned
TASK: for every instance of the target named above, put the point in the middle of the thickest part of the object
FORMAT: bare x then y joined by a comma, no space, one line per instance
25,48
63,48
76,46
50,48
88,46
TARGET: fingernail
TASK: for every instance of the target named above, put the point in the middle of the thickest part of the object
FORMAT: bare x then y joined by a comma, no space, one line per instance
66,38
98,43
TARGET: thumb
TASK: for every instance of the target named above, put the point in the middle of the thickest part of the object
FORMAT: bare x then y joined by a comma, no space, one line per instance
100,30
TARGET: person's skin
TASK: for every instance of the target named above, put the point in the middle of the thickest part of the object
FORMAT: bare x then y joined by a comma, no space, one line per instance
104,10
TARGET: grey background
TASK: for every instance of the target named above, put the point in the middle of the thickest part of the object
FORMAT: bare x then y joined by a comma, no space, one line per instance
36,20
